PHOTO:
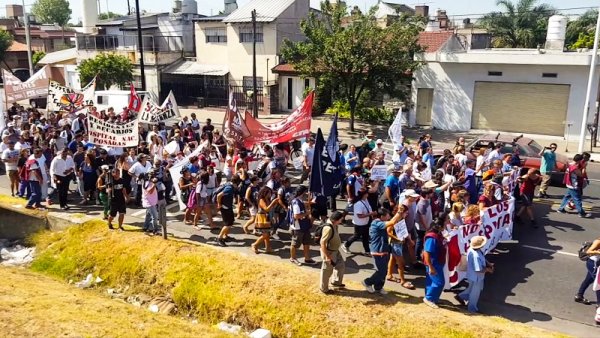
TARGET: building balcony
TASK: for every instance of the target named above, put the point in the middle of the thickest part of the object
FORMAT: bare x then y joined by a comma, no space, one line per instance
129,43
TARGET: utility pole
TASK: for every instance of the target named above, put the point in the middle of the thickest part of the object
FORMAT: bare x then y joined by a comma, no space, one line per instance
140,43
128,8
254,82
27,39
586,108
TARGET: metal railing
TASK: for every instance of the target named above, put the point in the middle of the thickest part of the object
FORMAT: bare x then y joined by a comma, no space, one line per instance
152,43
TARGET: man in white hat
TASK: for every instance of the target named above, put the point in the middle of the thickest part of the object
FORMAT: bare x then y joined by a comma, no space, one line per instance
477,266
379,149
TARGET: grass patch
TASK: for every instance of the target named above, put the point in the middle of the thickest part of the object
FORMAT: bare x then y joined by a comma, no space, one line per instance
38,306
217,285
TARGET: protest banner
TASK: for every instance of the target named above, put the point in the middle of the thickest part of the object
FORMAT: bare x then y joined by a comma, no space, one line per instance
379,172
295,126
34,88
172,147
496,225
153,113
66,98
111,134
234,127
395,130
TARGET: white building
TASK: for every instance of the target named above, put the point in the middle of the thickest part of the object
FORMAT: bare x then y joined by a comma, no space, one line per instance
512,90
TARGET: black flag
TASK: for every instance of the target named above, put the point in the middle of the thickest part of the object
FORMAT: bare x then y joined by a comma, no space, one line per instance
323,171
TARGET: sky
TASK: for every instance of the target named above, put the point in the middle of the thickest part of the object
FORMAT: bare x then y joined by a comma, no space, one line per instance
459,8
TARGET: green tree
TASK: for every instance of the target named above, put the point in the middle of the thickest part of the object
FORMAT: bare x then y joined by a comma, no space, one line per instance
109,15
109,69
585,24
53,12
37,56
6,41
518,25
356,55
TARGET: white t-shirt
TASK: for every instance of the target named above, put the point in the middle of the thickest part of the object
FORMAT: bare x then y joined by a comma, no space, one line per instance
8,154
461,159
308,152
24,145
137,168
361,207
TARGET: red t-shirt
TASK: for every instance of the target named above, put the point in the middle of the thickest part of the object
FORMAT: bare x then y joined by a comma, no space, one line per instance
486,201
527,187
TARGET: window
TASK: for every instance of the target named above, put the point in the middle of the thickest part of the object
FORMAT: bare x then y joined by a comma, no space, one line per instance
246,34
101,99
306,83
248,83
551,75
494,73
215,35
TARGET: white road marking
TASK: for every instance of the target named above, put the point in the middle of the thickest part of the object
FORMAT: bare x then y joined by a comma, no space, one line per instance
550,250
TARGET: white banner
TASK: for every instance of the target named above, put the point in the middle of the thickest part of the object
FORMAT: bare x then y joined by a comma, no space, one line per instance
153,113
35,87
113,135
66,98
379,172
176,175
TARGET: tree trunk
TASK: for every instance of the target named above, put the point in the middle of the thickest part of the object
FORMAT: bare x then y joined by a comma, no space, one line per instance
352,113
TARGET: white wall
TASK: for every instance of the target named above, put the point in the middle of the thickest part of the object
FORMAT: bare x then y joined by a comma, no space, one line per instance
454,86
297,91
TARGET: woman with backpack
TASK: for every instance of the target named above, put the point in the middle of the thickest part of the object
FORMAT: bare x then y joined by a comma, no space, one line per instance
251,198
591,255
263,223
191,196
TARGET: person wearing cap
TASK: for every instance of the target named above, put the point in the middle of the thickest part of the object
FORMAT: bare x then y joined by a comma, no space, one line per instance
333,262
61,169
10,157
370,140
434,258
477,266
137,170
11,132
379,149
399,156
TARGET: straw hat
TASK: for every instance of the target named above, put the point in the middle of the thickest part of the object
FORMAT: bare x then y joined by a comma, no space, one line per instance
478,242
370,134
430,185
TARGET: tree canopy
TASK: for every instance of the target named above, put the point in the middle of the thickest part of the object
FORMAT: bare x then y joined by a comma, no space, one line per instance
6,41
37,56
109,69
52,11
521,24
355,54
108,15
581,29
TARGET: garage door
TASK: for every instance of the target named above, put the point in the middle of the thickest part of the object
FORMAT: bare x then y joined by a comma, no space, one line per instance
520,107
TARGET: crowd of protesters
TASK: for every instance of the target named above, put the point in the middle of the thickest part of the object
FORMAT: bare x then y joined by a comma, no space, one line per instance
47,157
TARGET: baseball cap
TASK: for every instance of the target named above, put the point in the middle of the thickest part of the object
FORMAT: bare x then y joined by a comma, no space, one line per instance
379,141
411,193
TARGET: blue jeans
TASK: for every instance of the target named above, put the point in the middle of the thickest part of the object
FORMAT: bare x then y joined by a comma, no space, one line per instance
377,279
36,194
434,285
590,275
471,294
419,243
24,190
576,196
151,218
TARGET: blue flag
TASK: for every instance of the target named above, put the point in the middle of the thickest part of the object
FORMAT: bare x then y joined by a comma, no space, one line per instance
332,145
323,175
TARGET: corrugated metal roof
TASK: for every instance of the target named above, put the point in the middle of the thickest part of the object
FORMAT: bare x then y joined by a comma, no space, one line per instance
266,10
59,56
186,67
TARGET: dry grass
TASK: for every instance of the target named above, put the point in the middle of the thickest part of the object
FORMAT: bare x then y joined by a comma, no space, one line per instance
37,306
215,285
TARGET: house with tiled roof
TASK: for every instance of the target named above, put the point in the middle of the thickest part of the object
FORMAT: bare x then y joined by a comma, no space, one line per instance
463,85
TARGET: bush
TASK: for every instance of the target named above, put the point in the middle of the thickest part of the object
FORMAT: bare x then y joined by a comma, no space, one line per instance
379,115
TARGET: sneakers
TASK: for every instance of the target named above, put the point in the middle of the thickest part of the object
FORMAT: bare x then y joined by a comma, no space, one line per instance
338,285
221,242
586,215
369,288
295,261
582,300
310,262
561,211
430,303
346,250
460,300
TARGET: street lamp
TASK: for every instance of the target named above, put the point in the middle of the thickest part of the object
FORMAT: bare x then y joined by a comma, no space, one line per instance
586,108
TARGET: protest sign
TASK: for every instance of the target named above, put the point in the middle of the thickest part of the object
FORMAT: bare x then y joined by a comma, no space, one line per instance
379,172
66,98
172,147
35,87
401,229
176,175
153,113
111,134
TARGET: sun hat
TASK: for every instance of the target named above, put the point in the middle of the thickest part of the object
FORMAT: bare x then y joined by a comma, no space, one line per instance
370,134
430,185
411,193
478,242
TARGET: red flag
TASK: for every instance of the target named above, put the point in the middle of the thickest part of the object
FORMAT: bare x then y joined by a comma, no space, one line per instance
135,102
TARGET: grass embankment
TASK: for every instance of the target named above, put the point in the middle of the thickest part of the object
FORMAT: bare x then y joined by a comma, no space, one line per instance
37,306
216,285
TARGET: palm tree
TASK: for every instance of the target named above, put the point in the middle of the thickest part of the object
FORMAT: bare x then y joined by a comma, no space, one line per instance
518,25
585,24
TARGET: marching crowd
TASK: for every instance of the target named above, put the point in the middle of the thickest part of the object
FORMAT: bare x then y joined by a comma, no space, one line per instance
400,222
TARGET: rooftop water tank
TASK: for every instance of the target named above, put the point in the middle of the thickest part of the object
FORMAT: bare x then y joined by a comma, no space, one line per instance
557,30
89,17
189,7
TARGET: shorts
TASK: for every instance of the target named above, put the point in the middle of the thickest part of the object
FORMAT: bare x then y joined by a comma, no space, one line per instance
266,231
202,202
527,200
317,212
117,208
396,249
301,238
228,217
253,210
13,175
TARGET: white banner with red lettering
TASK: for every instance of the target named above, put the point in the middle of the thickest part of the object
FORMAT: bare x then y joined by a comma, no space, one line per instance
111,134
496,225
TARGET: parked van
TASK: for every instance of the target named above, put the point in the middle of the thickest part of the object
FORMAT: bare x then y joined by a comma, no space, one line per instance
115,98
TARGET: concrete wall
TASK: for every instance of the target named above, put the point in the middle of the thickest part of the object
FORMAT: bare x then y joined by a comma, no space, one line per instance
454,84
297,91
210,53
18,224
